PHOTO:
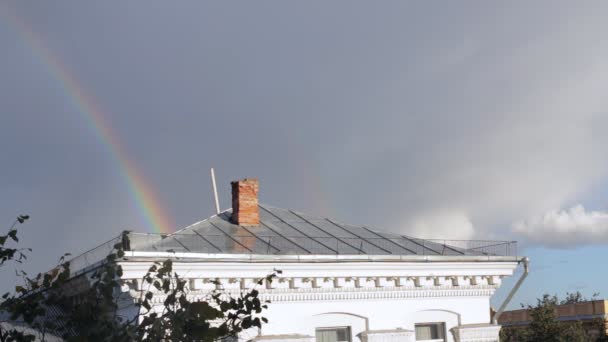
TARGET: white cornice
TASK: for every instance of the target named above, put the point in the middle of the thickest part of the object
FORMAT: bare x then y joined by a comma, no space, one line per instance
333,294
136,269
316,258
333,281
287,289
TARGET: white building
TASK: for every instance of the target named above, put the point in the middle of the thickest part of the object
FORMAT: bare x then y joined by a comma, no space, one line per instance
339,282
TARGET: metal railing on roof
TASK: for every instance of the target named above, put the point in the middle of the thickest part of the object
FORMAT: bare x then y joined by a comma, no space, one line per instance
217,243
92,257
281,244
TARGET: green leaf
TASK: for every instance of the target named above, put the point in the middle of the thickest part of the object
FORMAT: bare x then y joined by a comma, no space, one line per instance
22,218
202,310
146,305
225,306
13,235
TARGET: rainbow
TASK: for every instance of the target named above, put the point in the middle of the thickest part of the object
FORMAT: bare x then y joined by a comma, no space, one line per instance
142,193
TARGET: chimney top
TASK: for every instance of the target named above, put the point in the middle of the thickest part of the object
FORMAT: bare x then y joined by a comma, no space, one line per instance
245,210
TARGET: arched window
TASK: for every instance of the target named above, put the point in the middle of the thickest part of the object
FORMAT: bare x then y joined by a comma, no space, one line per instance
334,334
431,332
338,326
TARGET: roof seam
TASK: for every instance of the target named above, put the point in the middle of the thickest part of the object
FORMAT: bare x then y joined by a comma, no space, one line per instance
208,241
357,235
177,240
326,232
259,238
419,244
267,225
387,239
229,236
301,232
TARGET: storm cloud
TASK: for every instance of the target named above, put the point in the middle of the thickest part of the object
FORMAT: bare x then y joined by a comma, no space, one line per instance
434,120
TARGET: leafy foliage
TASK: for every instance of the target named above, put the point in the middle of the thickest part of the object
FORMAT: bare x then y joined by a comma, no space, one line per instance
88,307
544,325
183,320
15,254
577,297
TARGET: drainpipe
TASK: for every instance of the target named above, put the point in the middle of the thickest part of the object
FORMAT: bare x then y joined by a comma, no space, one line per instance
526,262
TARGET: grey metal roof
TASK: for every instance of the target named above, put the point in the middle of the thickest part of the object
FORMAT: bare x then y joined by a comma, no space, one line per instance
287,232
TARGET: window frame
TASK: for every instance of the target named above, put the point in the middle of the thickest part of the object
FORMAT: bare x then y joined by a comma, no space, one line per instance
442,326
346,327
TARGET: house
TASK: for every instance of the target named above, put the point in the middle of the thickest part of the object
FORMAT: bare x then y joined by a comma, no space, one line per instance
339,282
593,315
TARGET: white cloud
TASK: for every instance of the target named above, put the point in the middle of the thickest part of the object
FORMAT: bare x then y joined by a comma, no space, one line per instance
565,228
511,130
442,224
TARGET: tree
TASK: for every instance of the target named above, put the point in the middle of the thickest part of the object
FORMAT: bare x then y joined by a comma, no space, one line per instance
544,325
55,302
573,332
577,297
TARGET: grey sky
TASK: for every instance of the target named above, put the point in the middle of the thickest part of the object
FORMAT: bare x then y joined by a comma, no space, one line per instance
456,120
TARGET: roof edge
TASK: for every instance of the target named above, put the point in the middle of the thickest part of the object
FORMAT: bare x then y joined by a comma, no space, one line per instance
308,258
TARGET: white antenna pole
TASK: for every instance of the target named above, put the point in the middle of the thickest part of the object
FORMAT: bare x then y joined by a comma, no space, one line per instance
217,201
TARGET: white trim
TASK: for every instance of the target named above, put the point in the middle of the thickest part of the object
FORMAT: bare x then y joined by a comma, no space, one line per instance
326,295
465,272
320,257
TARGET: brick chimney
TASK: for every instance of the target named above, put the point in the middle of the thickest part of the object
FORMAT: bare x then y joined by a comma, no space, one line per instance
245,210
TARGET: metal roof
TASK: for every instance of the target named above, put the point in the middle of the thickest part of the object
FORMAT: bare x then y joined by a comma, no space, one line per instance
287,232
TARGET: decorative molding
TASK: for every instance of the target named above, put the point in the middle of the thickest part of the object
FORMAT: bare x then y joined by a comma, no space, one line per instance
476,333
383,293
416,281
297,289
283,338
336,282
336,294
134,268
395,335
364,283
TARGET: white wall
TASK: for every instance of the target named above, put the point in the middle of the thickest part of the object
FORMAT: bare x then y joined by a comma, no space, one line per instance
455,293
361,315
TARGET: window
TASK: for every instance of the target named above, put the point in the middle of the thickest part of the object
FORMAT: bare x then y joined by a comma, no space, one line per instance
338,334
434,332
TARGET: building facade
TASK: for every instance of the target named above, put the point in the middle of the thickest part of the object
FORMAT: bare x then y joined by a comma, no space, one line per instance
339,282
